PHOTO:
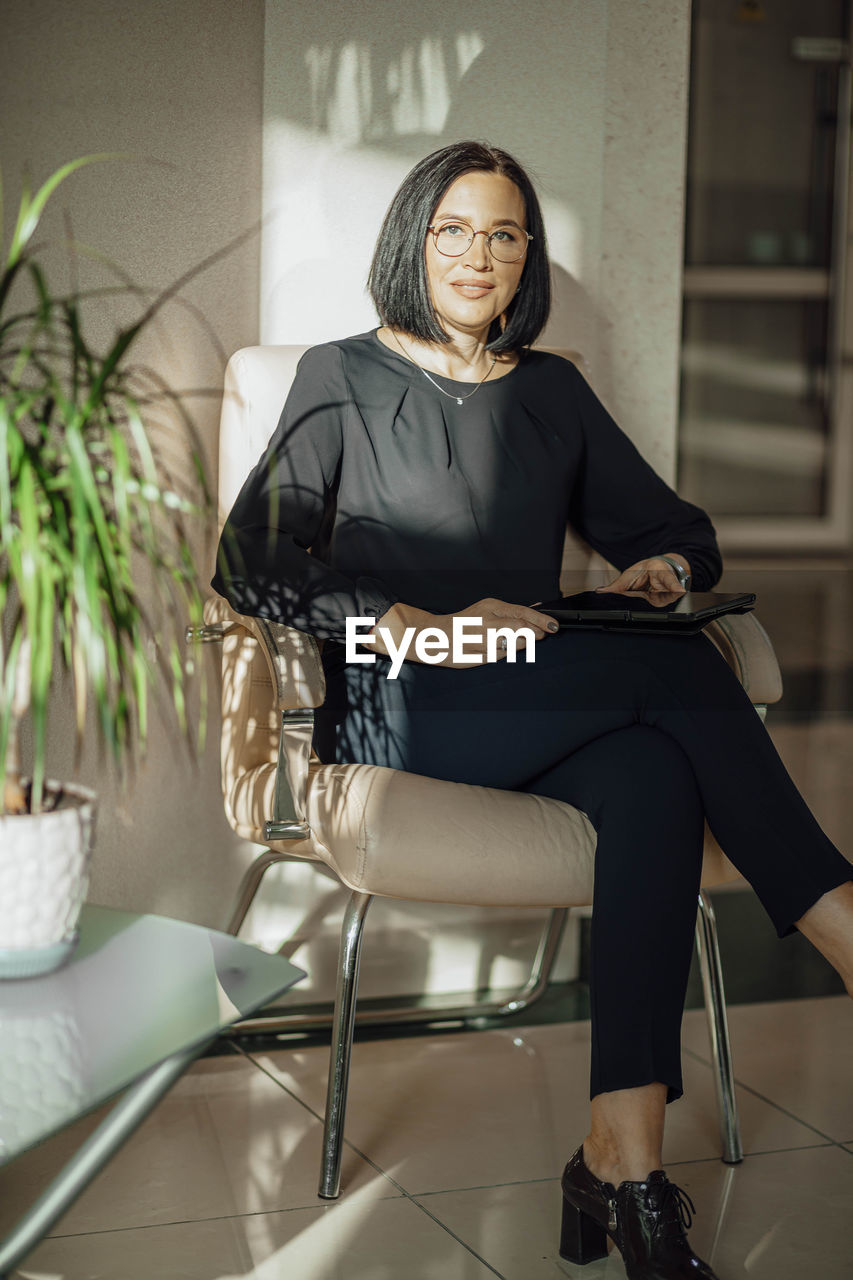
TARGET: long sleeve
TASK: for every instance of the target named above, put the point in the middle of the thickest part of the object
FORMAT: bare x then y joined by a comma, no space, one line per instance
287,505
622,507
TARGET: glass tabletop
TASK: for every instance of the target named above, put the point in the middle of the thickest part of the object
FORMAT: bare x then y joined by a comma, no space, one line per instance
137,989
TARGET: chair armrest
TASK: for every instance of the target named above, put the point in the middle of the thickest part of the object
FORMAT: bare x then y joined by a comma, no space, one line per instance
272,678
293,657
746,647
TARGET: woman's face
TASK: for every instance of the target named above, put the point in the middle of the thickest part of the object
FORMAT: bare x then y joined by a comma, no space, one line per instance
472,290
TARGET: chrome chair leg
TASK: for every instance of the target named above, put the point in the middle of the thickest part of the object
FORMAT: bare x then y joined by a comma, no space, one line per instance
543,965
473,1011
250,884
707,946
342,1033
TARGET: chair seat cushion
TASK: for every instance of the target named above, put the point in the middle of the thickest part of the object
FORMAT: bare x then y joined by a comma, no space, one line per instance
402,835
406,836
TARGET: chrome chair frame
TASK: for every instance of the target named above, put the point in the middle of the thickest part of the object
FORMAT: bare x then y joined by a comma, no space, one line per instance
352,932
286,824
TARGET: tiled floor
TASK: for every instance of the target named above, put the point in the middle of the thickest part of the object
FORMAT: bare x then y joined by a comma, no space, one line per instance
456,1140
455,1146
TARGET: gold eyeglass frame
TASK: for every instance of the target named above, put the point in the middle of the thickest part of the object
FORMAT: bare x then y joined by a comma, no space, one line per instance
436,227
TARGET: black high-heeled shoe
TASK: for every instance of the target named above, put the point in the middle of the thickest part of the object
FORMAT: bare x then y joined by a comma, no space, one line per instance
647,1221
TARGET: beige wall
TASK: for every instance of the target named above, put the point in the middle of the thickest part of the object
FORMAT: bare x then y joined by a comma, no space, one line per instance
176,83
589,94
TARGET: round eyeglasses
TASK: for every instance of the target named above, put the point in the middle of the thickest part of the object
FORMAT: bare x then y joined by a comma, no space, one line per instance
506,244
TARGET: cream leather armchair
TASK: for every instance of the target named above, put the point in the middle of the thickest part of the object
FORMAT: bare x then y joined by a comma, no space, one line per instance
385,832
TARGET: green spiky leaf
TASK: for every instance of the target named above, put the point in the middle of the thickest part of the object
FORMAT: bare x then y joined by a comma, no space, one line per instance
97,571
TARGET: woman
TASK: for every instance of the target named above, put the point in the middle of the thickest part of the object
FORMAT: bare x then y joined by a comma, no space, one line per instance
431,466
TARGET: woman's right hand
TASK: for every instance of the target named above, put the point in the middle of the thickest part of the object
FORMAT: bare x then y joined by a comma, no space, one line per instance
494,613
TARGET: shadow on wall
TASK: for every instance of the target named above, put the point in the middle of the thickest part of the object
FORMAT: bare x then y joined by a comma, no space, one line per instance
356,98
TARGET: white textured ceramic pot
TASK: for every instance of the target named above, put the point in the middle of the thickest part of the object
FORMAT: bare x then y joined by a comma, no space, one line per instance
44,872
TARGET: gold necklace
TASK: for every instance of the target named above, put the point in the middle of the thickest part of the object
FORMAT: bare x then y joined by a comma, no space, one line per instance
450,394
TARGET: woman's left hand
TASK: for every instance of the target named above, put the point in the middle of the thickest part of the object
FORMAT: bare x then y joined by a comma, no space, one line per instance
653,574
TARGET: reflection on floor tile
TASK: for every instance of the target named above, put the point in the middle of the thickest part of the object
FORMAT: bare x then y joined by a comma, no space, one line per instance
796,1053
524,1098
227,1140
774,1217
360,1239
517,1230
189,1250
520,1102
387,1240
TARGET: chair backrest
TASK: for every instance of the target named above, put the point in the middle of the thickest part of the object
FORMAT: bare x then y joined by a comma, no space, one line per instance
257,380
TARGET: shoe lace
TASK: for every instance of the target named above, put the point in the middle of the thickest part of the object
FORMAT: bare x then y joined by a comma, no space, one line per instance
676,1208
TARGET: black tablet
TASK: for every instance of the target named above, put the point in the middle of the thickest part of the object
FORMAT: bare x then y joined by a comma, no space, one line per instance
637,611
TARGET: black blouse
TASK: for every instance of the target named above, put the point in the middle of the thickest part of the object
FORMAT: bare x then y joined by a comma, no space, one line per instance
403,494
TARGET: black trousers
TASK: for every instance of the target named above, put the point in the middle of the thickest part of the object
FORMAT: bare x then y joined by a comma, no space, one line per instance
648,735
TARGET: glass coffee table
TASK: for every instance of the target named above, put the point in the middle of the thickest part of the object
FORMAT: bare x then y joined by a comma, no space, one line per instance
140,999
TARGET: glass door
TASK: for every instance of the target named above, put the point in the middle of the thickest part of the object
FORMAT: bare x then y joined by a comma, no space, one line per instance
766,425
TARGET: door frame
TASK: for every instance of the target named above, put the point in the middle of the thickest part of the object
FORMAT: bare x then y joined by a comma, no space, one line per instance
834,530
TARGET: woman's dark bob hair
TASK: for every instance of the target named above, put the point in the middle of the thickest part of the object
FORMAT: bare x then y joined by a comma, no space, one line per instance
398,282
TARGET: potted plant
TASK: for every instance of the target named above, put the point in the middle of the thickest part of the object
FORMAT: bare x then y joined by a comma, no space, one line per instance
97,577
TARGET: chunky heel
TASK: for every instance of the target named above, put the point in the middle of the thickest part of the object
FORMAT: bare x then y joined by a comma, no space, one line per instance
647,1222
582,1239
